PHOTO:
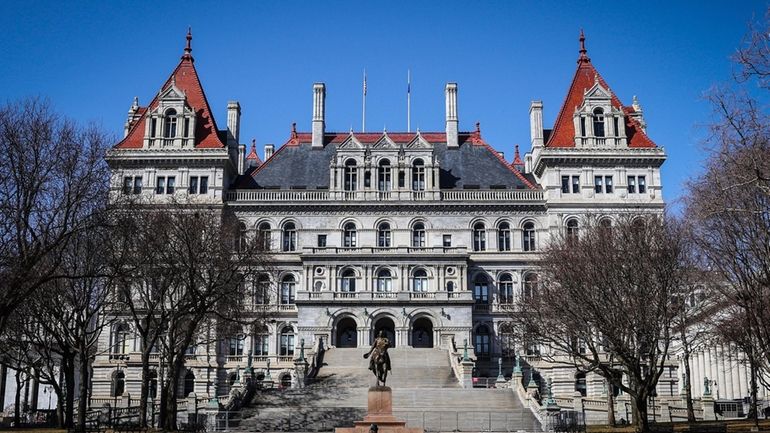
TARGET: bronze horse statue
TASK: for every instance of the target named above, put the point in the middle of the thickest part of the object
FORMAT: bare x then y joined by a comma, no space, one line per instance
379,363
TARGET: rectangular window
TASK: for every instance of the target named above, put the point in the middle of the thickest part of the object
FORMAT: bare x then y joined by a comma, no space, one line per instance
598,185
401,179
261,342
642,185
160,188
153,127
615,129
204,181
608,184
447,241
322,240
138,185
186,127
582,126
127,185
193,185
565,184
631,184
575,184
170,182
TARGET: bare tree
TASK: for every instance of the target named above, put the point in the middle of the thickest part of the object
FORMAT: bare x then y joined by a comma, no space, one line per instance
729,203
54,177
606,302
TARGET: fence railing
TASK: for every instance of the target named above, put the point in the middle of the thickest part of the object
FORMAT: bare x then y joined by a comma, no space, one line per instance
502,195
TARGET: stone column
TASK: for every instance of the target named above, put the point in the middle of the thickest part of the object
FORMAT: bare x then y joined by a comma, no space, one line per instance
723,389
743,379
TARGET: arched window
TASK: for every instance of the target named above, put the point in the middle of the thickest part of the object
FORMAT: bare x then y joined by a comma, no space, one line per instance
599,122
450,286
384,281
528,237
481,341
287,341
118,383
261,342
169,120
507,340
481,289
572,229
384,182
479,237
121,339
289,237
418,235
383,235
530,286
262,290
418,175
605,227
351,175
504,237
580,383
264,235
349,235
506,289
189,383
348,281
288,289
420,281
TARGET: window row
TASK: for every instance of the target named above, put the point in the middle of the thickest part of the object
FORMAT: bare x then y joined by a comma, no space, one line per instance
505,287
260,343
597,119
166,185
528,240
385,176
603,184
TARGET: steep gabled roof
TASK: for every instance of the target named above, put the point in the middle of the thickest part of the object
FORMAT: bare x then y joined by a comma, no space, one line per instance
252,156
185,77
586,75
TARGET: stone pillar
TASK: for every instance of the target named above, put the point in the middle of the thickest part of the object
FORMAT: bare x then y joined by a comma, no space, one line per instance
319,112
536,123
665,411
467,373
722,389
707,403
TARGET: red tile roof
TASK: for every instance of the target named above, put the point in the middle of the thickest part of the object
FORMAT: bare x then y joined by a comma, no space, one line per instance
253,154
185,77
563,134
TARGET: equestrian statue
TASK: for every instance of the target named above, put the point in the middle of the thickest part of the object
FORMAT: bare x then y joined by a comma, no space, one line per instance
379,363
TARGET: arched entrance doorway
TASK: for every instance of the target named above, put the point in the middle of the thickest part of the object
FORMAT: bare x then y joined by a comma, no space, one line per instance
422,333
346,333
386,325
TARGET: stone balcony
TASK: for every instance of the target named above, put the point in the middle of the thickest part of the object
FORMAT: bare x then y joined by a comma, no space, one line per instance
379,251
292,196
384,297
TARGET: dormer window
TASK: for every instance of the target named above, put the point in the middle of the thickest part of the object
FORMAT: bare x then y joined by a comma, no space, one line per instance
384,182
599,122
418,175
169,121
351,175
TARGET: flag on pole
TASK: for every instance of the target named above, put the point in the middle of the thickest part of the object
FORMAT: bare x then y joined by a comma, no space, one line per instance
364,82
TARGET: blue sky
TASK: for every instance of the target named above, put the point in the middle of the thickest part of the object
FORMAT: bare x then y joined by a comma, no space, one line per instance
92,58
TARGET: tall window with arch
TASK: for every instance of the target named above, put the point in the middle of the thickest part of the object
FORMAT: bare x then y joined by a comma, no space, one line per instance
351,175
169,122
349,235
580,383
598,122
262,290
384,281
479,237
287,341
118,383
420,281
121,339
348,281
384,176
261,342
289,237
264,235
505,287
235,345
481,289
288,289
418,235
504,237
482,341
528,236
530,285
507,340
572,229
243,237
383,235
189,383
418,175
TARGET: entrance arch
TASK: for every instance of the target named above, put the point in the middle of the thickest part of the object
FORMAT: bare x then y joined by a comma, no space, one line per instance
422,333
347,335
386,325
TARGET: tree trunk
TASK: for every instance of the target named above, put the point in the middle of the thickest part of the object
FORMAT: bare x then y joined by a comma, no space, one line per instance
639,408
17,400
83,390
610,406
754,411
144,394
68,365
173,384
688,385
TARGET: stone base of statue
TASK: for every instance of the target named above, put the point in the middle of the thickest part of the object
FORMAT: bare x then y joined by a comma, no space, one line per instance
380,413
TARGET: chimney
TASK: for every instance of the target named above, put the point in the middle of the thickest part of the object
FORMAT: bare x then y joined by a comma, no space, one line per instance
452,140
536,123
269,148
233,123
319,109
241,158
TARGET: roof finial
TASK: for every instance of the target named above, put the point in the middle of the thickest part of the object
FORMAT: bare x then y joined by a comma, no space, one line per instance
188,48
583,52
478,129
294,130
253,144
517,159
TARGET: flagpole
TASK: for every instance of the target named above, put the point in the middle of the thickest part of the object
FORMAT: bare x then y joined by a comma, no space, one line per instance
363,111
408,100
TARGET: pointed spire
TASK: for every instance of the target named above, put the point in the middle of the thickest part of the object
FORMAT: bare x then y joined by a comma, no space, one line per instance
517,162
294,130
188,48
478,129
583,52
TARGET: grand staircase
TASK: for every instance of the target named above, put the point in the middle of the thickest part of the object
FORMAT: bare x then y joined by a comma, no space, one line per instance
425,393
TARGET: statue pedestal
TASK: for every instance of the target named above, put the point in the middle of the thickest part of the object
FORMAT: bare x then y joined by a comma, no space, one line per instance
380,413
